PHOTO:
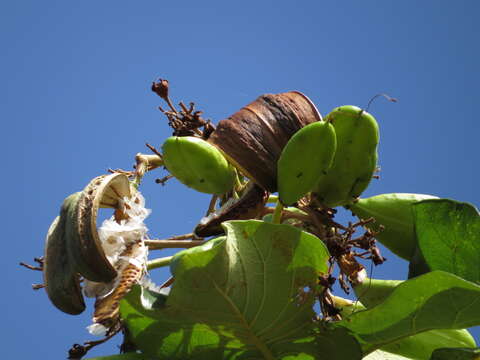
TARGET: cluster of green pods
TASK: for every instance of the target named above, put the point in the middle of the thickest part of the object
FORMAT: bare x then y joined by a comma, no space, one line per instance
335,158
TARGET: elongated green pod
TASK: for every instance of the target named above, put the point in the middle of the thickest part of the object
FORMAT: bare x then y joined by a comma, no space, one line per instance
355,159
308,154
198,164
84,245
372,292
59,275
394,213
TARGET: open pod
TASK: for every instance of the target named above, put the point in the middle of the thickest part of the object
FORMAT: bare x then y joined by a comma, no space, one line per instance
253,138
248,206
84,246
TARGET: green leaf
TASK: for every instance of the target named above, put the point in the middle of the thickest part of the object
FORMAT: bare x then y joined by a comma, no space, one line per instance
448,237
247,297
437,300
420,346
456,354
128,356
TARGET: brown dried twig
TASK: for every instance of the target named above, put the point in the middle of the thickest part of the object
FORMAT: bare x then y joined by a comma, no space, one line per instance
77,351
38,260
172,244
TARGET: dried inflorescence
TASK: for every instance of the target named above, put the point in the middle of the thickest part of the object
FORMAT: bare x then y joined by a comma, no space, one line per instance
187,121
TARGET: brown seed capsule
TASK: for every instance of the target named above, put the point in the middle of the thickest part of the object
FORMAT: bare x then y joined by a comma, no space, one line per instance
253,138
248,206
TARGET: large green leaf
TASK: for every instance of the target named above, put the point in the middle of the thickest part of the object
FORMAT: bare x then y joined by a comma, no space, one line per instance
456,354
420,346
437,300
249,296
448,238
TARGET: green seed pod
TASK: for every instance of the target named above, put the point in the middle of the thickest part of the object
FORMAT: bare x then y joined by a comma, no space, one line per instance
198,164
355,159
59,274
372,292
394,213
308,154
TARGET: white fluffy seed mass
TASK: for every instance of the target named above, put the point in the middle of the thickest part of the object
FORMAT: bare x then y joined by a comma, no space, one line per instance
117,239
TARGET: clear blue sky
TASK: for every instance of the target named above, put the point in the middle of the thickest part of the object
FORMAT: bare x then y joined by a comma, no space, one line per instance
75,101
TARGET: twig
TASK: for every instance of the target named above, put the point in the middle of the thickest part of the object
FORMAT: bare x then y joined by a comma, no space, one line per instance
145,163
211,206
154,150
277,213
163,180
158,263
172,244
167,283
31,267
287,214
78,351
189,236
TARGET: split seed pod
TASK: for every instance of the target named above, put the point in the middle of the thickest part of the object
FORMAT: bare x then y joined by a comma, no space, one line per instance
84,246
59,275
355,159
253,138
198,164
308,155
248,206
394,213
130,273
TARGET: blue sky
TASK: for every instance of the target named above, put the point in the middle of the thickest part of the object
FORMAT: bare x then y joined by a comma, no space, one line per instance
75,101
